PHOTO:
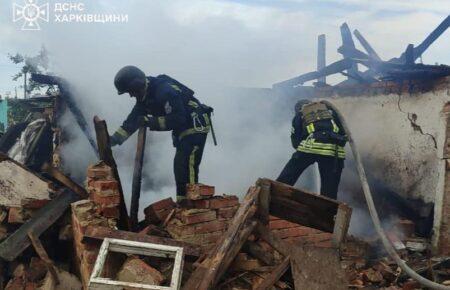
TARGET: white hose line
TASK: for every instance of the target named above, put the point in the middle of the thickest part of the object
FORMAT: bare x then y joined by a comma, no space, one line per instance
374,214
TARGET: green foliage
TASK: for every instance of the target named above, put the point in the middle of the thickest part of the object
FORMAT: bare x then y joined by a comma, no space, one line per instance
16,112
35,64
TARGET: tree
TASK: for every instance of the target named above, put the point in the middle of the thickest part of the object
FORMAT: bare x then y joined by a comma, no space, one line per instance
35,64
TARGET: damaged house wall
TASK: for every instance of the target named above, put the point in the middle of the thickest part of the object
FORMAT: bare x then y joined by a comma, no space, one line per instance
401,132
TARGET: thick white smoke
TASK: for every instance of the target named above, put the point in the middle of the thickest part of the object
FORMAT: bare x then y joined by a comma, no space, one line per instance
211,46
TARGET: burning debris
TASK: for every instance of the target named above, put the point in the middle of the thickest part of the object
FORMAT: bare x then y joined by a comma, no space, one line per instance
58,234
396,69
278,237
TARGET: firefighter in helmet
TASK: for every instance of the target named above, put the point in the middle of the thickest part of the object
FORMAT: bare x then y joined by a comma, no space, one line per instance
164,104
318,136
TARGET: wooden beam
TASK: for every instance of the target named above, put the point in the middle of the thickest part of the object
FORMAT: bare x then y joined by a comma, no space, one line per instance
305,197
64,180
42,253
275,275
208,274
302,207
105,153
260,253
264,200
137,177
317,268
270,238
341,224
99,233
321,56
299,213
16,243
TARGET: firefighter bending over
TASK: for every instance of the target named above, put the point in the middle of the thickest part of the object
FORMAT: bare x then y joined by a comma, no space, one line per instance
318,136
164,104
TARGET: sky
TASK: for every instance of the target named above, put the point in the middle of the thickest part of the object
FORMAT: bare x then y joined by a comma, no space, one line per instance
265,41
211,46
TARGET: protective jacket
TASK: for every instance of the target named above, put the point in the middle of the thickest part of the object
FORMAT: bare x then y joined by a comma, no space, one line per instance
316,129
167,106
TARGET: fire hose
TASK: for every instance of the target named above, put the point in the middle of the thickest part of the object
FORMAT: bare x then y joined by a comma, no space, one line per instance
374,214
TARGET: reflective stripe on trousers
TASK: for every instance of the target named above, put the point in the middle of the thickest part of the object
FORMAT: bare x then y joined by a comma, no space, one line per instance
326,149
191,165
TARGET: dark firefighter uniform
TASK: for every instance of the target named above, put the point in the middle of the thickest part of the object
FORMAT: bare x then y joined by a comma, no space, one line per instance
170,106
318,136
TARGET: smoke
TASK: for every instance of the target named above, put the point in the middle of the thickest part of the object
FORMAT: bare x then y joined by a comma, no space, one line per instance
212,47
198,49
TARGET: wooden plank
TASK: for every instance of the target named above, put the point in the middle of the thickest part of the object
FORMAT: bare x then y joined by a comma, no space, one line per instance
105,153
132,247
321,56
100,233
137,177
341,224
260,253
310,199
313,267
275,275
20,183
64,180
299,213
42,253
208,274
16,243
264,200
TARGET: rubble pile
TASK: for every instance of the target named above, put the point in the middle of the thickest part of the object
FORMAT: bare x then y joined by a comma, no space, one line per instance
215,231
53,233
368,266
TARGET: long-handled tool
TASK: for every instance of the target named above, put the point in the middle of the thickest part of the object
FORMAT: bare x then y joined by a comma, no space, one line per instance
137,177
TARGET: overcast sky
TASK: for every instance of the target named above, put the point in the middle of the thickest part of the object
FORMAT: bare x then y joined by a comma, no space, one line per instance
236,42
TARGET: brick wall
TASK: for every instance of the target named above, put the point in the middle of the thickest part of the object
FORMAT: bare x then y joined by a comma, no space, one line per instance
203,221
83,215
203,218
103,189
101,209
293,232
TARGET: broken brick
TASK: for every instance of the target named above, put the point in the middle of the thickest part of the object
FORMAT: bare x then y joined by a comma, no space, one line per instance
110,211
135,270
16,283
100,171
199,191
243,262
193,216
37,270
33,203
202,239
227,212
15,215
200,203
157,212
178,229
165,204
105,200
223,201
281,224
108,186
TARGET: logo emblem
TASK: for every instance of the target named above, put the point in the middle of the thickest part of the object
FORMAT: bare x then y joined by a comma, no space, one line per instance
30,13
